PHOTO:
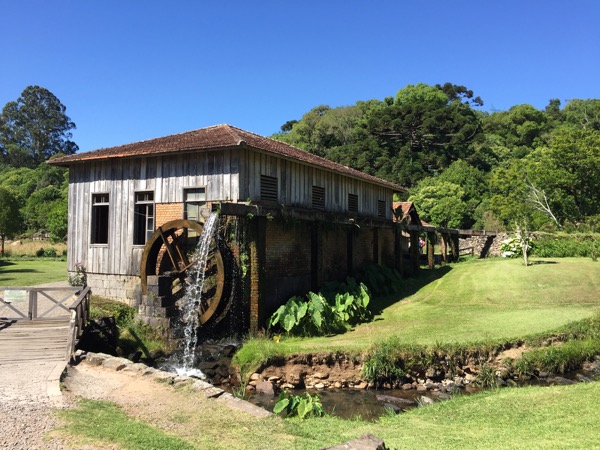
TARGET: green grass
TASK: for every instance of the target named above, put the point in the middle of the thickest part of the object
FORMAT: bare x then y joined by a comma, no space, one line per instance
17,272
481,300
560,417
97,421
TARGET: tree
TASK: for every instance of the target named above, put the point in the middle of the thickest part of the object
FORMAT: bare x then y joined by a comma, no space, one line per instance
9,211
35,127
441,203
423,132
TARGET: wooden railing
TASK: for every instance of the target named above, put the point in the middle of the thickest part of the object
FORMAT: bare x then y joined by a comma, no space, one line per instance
23,302
80,314
464,251
34,303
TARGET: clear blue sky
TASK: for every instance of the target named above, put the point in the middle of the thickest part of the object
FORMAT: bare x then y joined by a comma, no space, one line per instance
129,70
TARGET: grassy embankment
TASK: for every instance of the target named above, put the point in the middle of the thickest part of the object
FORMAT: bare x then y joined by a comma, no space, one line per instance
476,301
564,417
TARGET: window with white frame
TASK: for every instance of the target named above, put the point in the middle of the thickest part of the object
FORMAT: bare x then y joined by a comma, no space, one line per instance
143,217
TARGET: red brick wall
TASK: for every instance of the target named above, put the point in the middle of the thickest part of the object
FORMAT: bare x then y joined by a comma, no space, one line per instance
287,262
333,254
168,211
362,254
386,246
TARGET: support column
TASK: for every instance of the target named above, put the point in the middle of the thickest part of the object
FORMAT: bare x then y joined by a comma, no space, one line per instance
415,252
375,245
430,249
454,246
398,253
444,248
257,247
315,269
350,251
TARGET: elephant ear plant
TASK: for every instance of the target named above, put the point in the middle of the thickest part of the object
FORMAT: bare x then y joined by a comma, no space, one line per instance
334,311
303,406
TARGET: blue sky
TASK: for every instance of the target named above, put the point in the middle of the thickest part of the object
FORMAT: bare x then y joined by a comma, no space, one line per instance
133,70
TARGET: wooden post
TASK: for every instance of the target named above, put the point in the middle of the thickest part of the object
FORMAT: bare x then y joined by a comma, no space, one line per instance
257,247
415,252
430,249
454,246
444,248
32,305
398,253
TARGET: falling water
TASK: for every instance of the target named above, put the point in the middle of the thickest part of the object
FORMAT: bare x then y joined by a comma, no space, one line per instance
193,297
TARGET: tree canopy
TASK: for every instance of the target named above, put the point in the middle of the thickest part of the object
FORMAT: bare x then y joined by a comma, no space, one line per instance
35,127
464,166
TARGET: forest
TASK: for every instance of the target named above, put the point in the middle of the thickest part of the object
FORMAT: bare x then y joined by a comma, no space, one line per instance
462,166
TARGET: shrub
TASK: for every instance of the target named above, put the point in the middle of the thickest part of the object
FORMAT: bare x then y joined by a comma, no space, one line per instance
50,252
303,406
381,280
567,245
79,278
333,310
39,252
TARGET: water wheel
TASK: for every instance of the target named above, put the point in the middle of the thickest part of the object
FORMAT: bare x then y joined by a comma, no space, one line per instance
169,254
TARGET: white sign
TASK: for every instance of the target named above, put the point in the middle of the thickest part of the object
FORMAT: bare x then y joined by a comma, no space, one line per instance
15,296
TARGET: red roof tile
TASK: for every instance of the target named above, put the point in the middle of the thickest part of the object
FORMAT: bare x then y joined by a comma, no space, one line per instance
211,138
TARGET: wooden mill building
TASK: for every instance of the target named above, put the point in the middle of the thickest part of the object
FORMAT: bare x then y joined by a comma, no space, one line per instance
310,220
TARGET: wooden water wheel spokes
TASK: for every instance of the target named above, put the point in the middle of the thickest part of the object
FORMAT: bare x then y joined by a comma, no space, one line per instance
169,253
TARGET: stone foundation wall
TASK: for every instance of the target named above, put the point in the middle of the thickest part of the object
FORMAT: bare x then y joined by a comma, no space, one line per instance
484,246
123,288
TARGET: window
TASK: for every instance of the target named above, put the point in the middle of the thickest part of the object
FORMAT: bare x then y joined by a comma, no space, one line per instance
144,217
194,199
353,203
318,197
99,219
380,208
268,188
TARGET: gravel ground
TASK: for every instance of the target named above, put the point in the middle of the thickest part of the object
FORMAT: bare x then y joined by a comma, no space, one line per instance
25,406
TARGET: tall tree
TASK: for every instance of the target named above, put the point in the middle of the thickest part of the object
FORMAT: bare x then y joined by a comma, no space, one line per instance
35,127
9,211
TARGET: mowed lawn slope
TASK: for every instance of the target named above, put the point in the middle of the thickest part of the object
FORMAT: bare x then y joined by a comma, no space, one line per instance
14,272
475,301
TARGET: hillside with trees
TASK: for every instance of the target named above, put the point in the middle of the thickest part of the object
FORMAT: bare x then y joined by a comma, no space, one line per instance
465,167
33,195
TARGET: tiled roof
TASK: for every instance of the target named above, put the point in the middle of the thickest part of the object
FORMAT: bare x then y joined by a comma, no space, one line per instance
211,138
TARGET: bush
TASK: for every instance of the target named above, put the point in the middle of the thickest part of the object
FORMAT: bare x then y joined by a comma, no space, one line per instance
40,252
50,252
333,310
567,245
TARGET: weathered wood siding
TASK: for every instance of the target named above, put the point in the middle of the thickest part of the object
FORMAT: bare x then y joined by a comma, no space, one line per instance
295,182
166,176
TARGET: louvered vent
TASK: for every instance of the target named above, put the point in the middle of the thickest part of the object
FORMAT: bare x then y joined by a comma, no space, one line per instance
318,197
353,203
268,188
380,208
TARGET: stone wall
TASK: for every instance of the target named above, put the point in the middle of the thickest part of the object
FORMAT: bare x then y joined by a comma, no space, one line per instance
484,246
123,288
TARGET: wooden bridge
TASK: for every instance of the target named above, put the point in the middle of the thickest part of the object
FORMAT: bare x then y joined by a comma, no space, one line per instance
41,323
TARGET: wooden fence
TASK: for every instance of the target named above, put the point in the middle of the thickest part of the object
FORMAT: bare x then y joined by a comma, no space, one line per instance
49,303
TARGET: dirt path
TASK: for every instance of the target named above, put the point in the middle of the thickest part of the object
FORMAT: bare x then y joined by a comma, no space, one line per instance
28,393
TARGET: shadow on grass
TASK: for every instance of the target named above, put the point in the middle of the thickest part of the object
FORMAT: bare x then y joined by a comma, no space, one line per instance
537,263
410,286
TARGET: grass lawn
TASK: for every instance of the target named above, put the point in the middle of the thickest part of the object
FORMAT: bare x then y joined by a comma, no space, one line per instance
479,300
563,417
16,272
